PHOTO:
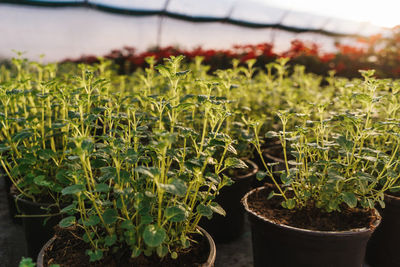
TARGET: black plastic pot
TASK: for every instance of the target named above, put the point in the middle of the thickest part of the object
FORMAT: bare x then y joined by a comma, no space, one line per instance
7,182
285,246
38,226
209,263
228,228
270,154
383,247
12,210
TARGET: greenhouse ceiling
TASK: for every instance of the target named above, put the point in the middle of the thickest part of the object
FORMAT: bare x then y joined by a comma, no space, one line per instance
95,26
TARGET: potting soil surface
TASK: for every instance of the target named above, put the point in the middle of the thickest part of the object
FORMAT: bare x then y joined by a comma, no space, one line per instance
12,242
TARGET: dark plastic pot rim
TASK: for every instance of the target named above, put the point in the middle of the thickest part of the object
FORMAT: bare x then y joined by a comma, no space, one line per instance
391,197
310,232
393,200
30,202
267,153
253,171
209,263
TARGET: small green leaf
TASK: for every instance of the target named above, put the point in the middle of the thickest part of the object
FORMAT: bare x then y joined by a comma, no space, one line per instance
136,252
175,214
85,237
176,187
344,143
26,262
94,255
235,163
130,237
314,179
146,219
215,207
285,178
41,181
88,145
271,195
73,189
289,204
62,176
204,210
181,73
110,240
145,171
102,188
67,222
92,221
232,149
333,175
362,97
69,208
154,235
127,224
162,251
350,199
261,175
46,154
163,70
110,216
184,241
26,133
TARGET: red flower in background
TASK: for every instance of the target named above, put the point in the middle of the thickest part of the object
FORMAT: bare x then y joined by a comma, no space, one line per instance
327,57
382,54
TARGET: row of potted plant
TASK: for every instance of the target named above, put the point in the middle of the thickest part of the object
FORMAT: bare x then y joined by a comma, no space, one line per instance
127,171
128,165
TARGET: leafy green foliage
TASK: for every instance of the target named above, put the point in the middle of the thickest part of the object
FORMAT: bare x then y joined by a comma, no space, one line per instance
139,160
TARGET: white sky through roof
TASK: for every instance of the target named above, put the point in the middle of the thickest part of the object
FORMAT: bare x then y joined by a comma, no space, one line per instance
71,32
382,13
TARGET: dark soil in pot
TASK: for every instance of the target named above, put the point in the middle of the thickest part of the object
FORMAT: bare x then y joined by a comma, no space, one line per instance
228,228
309,237
68,251
383,247
38,227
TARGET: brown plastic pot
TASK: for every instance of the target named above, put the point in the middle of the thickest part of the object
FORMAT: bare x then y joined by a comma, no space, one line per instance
37,224
383,247
286,246
230,227
209,263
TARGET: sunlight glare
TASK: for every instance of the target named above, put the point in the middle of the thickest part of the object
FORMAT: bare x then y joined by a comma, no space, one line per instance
381,13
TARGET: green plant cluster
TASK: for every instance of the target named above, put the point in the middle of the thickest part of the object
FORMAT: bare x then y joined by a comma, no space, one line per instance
135,161
345,150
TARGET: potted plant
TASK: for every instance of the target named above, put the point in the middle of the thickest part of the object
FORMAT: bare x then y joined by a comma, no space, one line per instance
381,248
141,189
334,179
34,141
29,156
